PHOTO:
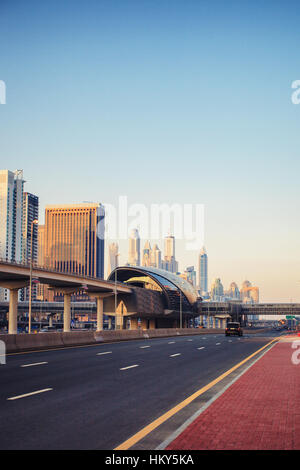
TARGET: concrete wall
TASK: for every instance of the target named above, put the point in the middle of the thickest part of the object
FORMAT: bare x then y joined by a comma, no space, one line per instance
32,342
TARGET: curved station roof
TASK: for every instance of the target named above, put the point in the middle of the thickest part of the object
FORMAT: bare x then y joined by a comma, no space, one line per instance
175,288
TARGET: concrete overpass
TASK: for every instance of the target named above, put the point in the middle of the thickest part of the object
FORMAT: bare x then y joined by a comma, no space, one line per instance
237,310
14,276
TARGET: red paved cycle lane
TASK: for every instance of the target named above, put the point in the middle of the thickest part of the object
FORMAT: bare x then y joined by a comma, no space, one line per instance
259,411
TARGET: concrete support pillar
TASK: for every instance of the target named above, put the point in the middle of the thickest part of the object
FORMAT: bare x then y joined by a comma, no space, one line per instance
152,324
109,323
51,320
213,322
119,319
99,314
67,312
13,312
133,323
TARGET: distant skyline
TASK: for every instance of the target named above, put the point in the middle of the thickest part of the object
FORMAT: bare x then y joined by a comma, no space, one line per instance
167,102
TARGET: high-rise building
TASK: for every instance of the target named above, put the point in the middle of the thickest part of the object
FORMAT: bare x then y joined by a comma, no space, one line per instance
249,293
217,290
30,240
134,249
233,292
169,262
191,275
41,245
11,212
30,213
41,289
156,257
202,271
113,257
74,239
147,254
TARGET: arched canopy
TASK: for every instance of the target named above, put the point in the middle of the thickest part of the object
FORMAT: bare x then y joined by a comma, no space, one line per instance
175,288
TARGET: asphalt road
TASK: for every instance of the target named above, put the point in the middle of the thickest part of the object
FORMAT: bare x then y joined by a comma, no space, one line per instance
97,397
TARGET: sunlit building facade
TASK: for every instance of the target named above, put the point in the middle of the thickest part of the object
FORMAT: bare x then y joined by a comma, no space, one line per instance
249,293
11,214
134,252
74,239
169,262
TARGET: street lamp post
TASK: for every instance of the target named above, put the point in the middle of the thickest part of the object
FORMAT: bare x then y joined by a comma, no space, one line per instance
30,282
116,261
180,309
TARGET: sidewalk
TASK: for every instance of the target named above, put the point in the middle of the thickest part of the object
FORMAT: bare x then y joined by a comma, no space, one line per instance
259,411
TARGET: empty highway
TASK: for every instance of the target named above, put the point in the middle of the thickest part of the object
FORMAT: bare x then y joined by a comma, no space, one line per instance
97,397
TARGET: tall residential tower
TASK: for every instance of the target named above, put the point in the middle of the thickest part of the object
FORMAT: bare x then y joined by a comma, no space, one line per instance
202,272
11,215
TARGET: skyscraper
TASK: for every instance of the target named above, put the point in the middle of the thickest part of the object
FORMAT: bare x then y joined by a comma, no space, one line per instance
217,290
147,254
41,288
249,293
113,257
74,239
29,240
169,262
156,257
11,212
134,249
191,275
202,271
233,292
30,213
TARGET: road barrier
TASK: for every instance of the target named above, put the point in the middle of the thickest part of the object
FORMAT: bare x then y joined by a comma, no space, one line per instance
35,341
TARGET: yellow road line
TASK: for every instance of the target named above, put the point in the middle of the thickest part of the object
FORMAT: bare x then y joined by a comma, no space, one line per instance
150,427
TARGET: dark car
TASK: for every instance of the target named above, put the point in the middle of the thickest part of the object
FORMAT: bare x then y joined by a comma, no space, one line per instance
233,328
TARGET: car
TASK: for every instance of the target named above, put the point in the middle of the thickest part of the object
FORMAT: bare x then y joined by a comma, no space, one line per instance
46,329
233,328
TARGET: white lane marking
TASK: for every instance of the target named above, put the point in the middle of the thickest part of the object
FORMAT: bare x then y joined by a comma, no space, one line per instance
190,340
129,367
29,394
105,352
202,347
144,347
171,342
34,364
217,344
174,355
230,341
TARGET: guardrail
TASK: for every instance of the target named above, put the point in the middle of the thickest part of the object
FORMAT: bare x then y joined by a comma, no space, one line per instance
30,342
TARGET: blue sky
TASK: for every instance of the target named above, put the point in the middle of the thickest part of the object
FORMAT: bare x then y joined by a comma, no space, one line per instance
164,101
